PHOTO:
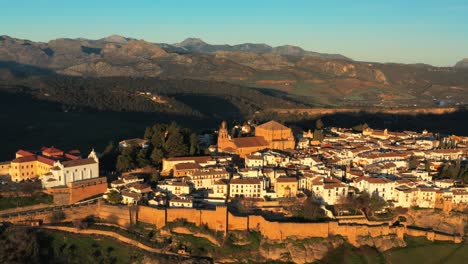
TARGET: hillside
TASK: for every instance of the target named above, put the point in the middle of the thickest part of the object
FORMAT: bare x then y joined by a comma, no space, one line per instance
312,78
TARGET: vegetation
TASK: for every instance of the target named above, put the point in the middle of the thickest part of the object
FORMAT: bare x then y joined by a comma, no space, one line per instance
36,198
370,204
114,197
57,216
455,170
349,254
312,210
421,250
166,141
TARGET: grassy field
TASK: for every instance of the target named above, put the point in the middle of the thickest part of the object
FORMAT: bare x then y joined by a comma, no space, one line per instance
420,250
351,255
12,202
71,248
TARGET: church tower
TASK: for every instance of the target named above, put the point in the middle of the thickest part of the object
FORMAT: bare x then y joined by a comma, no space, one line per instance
224,139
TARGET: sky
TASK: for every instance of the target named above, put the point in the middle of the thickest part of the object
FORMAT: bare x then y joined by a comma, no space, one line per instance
409,31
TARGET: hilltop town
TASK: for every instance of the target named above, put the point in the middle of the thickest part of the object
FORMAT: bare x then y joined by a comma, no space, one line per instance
263,174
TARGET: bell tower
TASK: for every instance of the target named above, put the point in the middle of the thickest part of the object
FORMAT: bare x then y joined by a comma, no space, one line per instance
224,139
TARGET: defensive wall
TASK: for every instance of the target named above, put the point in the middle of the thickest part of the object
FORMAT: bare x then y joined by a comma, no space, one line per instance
220,219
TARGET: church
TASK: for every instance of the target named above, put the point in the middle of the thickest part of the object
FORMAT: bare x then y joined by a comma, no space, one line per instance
270,135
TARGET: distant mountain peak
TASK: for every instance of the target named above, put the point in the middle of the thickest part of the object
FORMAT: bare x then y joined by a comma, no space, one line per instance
191,42
115,38
463,64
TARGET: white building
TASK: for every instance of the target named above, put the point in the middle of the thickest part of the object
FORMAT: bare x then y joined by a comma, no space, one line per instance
64,172
180,202
250,188
173,187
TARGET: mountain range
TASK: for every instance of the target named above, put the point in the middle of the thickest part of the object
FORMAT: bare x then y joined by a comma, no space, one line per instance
312,78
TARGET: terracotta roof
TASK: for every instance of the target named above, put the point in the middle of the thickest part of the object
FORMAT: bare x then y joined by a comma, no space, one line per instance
117,182
210,171
333,185
220,182
377,180
133,195
200,159
71,156
245,142
51,150
245,181
25,159
45,160
272,125
289,179
254,157
80,162
186,166
24,153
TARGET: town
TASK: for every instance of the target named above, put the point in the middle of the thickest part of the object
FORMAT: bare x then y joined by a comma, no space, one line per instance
272,170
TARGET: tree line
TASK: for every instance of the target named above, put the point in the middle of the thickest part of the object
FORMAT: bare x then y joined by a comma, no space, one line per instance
165,141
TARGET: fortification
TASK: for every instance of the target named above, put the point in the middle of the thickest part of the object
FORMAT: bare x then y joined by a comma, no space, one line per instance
220,219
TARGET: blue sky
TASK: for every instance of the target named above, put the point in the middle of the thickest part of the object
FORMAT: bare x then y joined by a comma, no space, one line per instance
411,31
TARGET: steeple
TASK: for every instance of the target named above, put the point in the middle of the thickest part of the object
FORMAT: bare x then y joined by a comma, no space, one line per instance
93,155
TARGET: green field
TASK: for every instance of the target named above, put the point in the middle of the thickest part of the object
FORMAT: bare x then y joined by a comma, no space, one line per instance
12,202
71,248
420,250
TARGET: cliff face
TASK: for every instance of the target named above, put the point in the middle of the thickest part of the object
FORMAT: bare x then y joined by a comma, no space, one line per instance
314,249
450,223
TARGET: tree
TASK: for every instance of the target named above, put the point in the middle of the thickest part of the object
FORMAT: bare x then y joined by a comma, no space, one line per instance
427,166
148,133
141,159
174,145
156,156
114,197
123,163
57,216
413,162
376,203
318,135
193,144
80,223
361,201
360,127
319,124
127,159
312,209
19,245
155,178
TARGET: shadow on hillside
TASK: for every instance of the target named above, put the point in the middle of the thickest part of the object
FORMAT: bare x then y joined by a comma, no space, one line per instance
22,70
31,123
449,123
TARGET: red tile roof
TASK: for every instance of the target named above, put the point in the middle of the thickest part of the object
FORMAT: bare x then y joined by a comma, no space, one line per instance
245,181
286,179
25,159
245,142
200,159
186,166
51,151
45,160
80,162
24,153
272,125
